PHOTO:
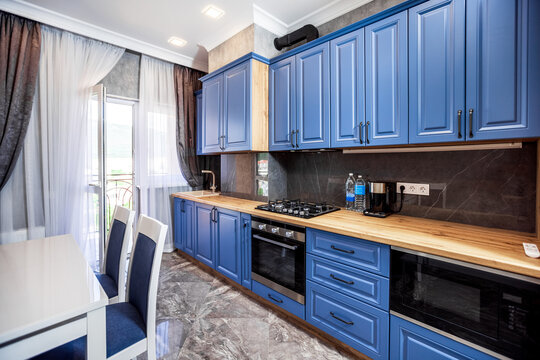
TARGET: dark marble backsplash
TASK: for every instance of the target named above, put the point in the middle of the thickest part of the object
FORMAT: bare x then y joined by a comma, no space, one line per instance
494,188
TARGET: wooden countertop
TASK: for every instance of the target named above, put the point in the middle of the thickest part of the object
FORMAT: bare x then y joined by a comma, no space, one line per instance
496,248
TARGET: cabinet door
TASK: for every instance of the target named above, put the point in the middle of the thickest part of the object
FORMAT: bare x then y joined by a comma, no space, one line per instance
313,98
204,234
228,244
236,115
212,115
188,233
437,72
409,341
178,228
498,66
282,105
246,250
347,90
199,122
387,82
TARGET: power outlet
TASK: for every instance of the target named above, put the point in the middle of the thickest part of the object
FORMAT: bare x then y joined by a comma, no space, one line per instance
414,189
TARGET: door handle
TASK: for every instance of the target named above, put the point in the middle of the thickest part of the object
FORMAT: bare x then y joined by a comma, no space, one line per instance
345,251
340,319
360,127
367,132
459,124
276,300
297,131
470,123
213,215
292,138
343,281
183,207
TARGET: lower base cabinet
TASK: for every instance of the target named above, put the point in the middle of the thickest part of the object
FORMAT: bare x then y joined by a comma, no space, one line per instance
280,300
246,250
228,245
354,322
204,235
409,341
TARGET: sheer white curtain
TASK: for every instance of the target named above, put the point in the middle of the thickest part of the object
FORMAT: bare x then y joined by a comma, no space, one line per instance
157,170
57,146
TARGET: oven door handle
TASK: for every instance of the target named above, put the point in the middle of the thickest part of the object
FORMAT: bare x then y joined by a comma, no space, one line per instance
290,247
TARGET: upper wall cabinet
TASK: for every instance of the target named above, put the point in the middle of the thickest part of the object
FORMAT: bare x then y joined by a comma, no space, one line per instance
300,101
282,105
347,90
387,82
503,72
437,71
198,97
235,107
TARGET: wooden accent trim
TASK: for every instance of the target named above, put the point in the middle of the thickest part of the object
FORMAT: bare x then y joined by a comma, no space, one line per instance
259,106
294,320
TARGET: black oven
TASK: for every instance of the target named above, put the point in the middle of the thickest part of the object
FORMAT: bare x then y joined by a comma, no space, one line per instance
278,257
495,310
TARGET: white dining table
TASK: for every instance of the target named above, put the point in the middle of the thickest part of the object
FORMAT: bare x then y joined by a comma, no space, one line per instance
49,296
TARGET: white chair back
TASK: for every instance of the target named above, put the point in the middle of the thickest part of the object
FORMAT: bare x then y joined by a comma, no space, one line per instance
150,237
125,216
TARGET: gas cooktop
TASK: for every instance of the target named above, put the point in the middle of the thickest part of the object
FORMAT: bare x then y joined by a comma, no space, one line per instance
297,208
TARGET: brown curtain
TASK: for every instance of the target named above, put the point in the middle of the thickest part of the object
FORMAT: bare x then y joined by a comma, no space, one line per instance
20,44
186,82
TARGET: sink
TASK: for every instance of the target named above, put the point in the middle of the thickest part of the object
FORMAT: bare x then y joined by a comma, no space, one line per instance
203,193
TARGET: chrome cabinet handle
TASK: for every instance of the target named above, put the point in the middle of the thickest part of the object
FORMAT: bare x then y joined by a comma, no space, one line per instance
360,127
297,131
367,132
459,124
340,319
292,138
276,300
345,251
343,281
470,123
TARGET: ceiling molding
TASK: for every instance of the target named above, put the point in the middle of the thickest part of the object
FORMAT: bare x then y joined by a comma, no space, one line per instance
268,21
328,12
61,21
223,35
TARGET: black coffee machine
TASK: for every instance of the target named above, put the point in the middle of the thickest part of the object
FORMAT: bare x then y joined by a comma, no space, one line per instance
382,199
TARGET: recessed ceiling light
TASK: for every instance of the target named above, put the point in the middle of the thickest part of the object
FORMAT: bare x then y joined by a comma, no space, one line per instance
213,11
176,41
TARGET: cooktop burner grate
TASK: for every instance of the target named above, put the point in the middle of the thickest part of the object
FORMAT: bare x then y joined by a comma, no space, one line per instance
298,208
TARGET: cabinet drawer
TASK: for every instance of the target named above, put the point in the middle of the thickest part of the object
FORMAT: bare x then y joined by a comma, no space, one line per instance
357,324
360,253
362,285
280,300
409,341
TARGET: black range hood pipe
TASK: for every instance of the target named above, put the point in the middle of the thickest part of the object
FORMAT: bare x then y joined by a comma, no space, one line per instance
308,32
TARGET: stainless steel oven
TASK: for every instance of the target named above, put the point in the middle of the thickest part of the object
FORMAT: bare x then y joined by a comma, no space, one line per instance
278,257
485,307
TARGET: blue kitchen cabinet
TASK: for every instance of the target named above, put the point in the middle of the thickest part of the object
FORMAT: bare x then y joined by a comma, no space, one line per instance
246,250
387,103
228,243
187,227
409,341
178,243
357,324
212,120
503,75
282,105
236,118
204,234
347,90
313,98
437,72
199,101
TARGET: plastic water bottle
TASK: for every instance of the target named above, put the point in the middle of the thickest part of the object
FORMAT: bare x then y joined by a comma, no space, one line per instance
349,191
360,194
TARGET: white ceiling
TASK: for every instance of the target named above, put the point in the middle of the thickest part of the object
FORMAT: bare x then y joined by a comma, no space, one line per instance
145,26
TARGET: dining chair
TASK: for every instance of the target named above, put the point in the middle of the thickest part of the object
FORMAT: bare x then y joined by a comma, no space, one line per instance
130,325
112,277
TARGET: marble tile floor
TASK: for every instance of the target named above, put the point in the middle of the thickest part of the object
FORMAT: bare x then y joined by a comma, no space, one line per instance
201,317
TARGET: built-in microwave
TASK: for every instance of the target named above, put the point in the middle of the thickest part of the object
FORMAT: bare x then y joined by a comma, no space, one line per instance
491,309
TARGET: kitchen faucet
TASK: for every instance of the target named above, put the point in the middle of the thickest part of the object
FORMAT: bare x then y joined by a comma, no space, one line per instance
213,187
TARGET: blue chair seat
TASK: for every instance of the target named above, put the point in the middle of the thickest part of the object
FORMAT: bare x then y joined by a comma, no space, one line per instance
108,284
125,327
